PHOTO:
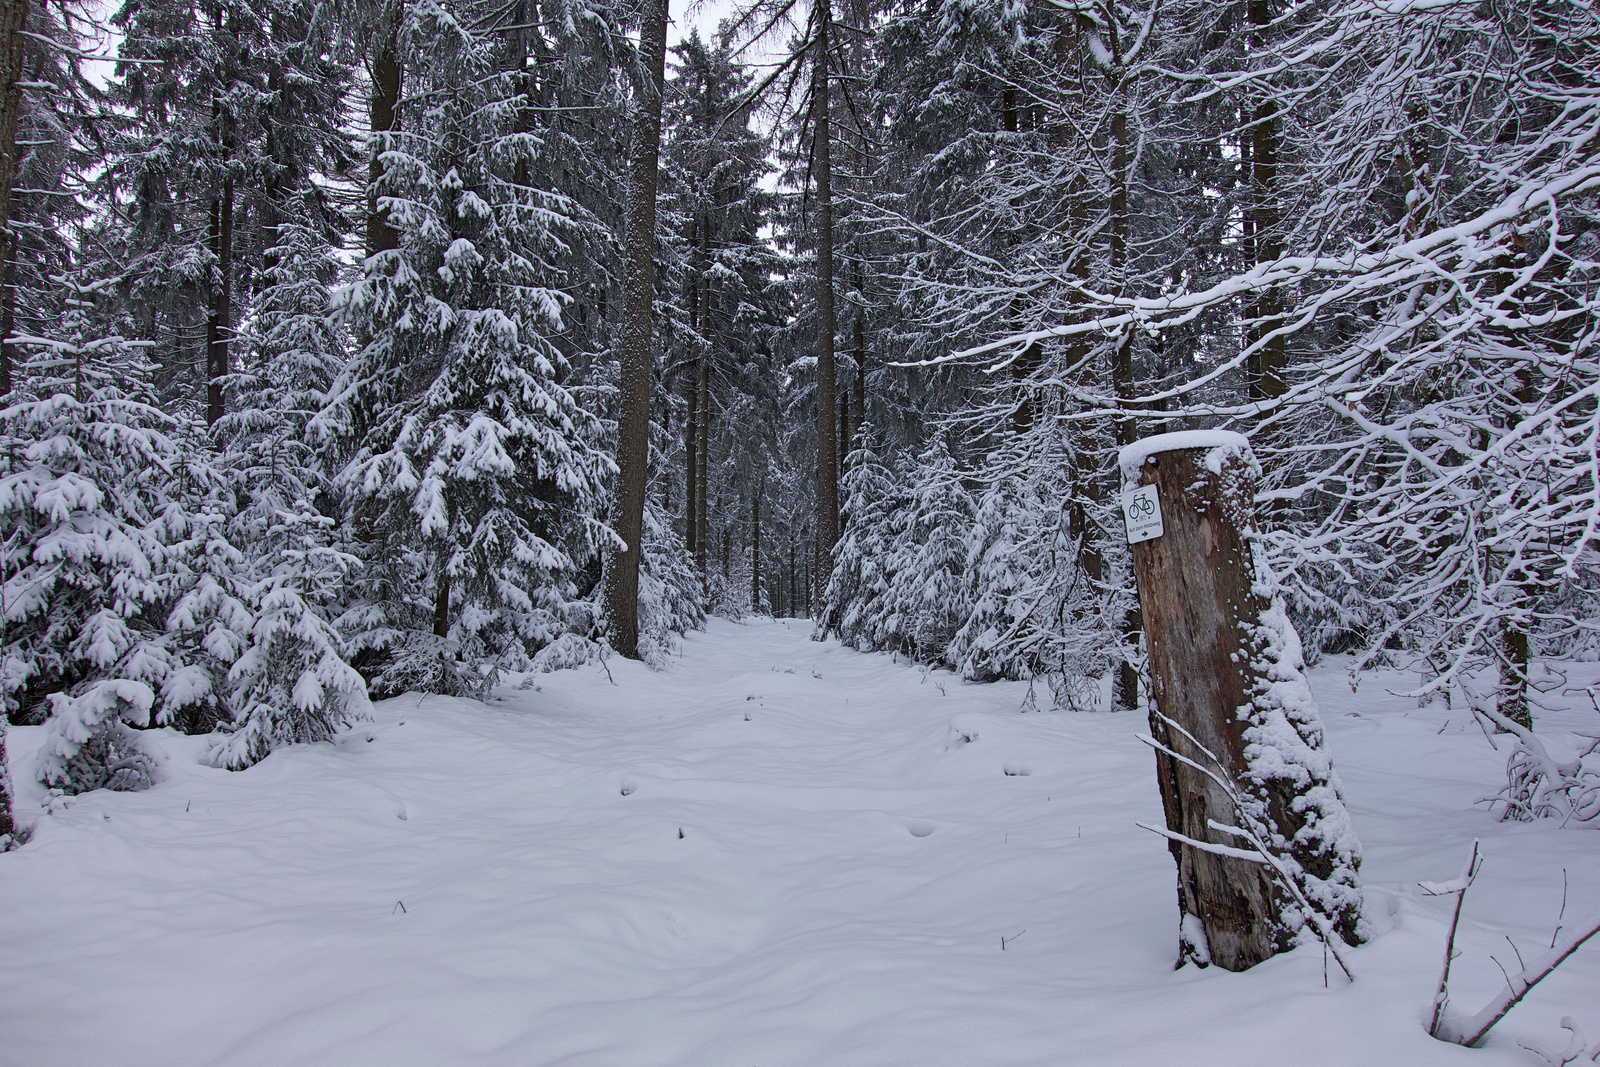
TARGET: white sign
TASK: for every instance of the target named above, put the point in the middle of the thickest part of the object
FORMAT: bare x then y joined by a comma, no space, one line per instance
1141,510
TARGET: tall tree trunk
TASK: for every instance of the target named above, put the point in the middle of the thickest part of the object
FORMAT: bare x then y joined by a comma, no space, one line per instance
858,414
827,443
633,422
8,322
1515,649
691,428
691,471
1266,380
441,606
789,610
858,329
700,323
806,582
270,221
1125,687
1122,355
1086,471
844,431
755,551
13,27
1512,691
381,107
702,528
1023,366
219,317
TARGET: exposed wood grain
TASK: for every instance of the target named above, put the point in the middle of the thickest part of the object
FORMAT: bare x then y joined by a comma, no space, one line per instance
1195,594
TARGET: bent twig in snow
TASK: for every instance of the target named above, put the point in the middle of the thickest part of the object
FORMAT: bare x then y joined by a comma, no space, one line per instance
1472,1030
1469,1031
1459,887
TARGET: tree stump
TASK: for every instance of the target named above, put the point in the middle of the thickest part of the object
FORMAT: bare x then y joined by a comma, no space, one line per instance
1226,666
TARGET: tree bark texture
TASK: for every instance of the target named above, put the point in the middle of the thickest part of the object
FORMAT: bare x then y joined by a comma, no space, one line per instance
1266,367
219,318
691,457
441,606
827,441
755,552
702,471
1125,686
1195,589
13,25
8,323
633,421
1511,696
1204,610
1512,691
858,411
844,431
381,108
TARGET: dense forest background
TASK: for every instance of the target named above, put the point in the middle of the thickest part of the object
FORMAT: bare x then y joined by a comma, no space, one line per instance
316,319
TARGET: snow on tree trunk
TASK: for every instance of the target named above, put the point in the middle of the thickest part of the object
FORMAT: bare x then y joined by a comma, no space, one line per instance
1228,687
633,423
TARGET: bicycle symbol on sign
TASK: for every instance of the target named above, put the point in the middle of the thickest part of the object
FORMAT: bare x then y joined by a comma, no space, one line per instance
1142,511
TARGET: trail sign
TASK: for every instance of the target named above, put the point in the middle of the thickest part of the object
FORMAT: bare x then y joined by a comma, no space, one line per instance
1141,510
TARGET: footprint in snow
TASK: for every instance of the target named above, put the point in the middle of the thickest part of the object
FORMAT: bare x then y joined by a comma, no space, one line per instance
919,828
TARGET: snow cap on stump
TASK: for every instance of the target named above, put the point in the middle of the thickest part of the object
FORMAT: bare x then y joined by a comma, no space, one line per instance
1220,445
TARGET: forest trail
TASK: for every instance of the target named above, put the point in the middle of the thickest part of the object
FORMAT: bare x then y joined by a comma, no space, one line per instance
776,852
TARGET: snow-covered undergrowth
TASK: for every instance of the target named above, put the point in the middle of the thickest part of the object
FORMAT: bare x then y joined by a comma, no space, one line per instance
456,883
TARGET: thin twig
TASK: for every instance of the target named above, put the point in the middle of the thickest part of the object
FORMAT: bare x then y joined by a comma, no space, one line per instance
1442,996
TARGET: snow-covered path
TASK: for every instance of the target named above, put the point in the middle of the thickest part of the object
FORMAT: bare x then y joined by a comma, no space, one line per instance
778,852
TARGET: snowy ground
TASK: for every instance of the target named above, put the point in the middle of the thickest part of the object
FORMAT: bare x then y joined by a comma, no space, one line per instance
777,852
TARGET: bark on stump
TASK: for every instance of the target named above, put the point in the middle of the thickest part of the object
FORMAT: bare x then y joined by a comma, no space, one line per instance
1231,681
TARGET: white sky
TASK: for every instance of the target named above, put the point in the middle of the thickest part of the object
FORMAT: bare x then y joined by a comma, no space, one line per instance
687,15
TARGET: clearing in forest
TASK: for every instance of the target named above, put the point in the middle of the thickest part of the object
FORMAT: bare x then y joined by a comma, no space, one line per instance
777,852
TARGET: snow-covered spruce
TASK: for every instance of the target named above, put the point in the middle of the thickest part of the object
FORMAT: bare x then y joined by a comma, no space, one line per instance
471,475
863,562
1291,786
291,681
87,464
988,572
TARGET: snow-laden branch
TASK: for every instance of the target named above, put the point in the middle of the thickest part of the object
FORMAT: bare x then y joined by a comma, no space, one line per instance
1469,1031
1419,259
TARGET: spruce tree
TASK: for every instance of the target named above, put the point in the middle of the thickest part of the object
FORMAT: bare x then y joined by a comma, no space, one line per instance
90,463
471,476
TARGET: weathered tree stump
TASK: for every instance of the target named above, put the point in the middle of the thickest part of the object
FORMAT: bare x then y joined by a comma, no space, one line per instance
1226,667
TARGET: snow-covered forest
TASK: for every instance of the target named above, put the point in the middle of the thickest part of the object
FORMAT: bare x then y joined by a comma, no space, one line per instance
381,356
